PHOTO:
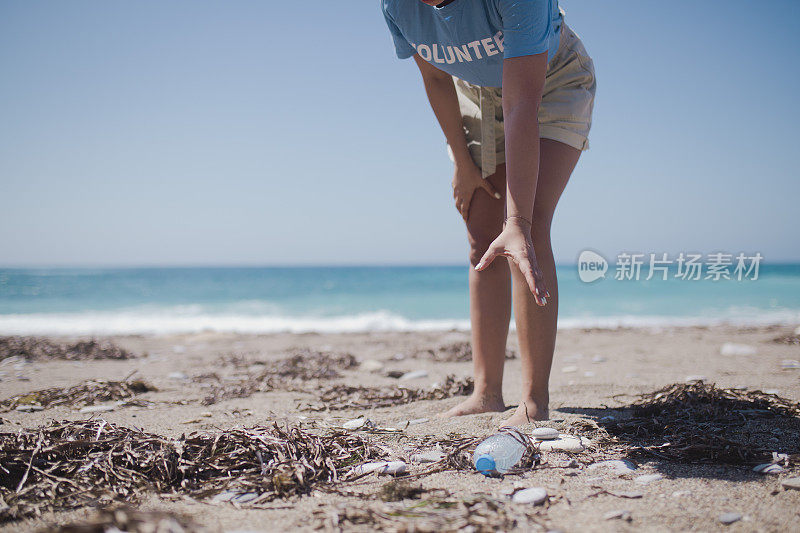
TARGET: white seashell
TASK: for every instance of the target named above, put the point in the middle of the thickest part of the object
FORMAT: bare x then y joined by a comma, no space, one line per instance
97,408
617,466
731,348
792,483
416,421
768,468
648,478
598,359
177,375
25,408
790,364
588,374
427,457
381,467
534,495
564,443
569,369
358,423
414,374
545,433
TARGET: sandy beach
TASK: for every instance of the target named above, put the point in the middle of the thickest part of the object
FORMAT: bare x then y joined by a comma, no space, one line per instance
596,373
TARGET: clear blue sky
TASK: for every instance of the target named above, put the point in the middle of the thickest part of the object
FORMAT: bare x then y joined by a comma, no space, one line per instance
266,132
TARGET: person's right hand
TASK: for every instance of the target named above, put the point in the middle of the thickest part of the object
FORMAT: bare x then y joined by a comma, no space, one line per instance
466,180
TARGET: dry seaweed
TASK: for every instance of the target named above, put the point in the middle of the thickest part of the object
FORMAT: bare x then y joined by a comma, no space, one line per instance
287,374
36,348
72,464
310,364
397,490
435,515
791,339
456,352
701,423
129,520
89,392
339,397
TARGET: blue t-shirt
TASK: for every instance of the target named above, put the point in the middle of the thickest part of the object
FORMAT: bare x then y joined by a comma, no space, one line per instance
470,38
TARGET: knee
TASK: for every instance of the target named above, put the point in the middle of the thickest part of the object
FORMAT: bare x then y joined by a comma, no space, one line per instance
478,244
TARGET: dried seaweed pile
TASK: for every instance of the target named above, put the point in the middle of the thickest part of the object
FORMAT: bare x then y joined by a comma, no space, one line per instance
133,521
699,422
339,397
72,464
87,393
791,339
456,352
432,514
288,374
310,364
35,348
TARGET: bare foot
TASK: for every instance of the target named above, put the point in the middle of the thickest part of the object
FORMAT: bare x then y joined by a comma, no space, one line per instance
528,411
477,403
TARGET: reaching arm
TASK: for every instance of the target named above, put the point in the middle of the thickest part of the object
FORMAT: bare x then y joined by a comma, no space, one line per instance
523,83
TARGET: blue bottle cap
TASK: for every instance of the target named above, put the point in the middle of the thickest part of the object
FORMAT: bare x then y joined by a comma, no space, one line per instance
485,464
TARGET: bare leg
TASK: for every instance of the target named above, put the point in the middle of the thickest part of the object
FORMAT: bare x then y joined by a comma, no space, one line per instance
536,326
490,303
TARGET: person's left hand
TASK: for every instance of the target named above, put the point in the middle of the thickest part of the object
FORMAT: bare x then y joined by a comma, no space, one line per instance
515,243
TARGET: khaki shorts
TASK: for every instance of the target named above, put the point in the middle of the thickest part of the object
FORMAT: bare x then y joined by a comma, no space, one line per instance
565,113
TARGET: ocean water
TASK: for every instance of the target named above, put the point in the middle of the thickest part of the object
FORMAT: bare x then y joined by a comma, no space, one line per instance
350,299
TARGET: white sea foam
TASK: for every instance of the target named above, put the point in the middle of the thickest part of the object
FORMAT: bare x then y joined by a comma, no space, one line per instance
189,319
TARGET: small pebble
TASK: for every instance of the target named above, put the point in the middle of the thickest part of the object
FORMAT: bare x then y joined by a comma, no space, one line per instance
372,365
772,391
534,495
792,483
207,414
729,518
621,514
768,468
414,374
97,408
648,478
730,348
617,466
399,356
545,433
29,408
588,374
177,375
598,359
790,364
417,421
569,369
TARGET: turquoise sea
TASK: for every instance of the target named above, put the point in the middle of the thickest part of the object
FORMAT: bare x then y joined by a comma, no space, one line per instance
346,299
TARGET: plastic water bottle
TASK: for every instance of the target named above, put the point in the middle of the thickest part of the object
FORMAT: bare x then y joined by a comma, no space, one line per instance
500,452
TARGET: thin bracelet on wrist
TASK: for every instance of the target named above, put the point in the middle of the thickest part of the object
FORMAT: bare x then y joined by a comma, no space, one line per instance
520,217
